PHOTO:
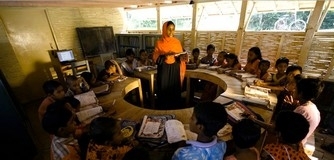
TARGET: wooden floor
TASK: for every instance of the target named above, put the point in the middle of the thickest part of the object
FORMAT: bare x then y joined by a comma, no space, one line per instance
42,140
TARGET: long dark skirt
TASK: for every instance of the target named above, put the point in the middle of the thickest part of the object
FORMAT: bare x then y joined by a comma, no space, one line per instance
168,86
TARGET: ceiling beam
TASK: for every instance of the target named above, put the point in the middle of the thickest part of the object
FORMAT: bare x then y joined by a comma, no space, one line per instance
310,31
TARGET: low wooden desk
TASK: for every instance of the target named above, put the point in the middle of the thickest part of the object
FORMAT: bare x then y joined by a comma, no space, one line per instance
148,75
126,110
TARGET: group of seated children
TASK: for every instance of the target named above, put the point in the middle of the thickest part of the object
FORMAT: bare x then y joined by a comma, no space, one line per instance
102,138
131,63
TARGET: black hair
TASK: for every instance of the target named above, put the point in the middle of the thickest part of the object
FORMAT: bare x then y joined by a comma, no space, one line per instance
71,78
234,57
223,52
169,23
55,117
246,133
87,76
257,52
210,46
142,51
212,116
264,62
102,129
282,60
75,103
293,127
293,68
108,64
50,86
309,88
129,52
195,50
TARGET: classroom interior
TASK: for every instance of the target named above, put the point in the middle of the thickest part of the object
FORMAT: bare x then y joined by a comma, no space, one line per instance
302,31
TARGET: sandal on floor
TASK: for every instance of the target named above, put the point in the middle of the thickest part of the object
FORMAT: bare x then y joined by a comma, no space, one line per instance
326,131
328,147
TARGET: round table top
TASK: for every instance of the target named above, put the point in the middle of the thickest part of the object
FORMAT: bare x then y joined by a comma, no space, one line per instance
125,110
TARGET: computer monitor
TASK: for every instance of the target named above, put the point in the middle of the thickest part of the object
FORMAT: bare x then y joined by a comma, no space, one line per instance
65,55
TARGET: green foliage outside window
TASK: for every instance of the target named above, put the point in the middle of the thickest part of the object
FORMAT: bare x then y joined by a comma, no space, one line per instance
328,22
279,21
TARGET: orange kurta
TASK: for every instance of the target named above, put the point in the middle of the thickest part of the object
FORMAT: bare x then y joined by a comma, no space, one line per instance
169,46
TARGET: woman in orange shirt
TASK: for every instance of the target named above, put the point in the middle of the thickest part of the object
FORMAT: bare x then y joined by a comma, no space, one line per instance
171,67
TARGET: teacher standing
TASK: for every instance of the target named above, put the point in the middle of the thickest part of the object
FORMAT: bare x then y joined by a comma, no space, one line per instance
171,68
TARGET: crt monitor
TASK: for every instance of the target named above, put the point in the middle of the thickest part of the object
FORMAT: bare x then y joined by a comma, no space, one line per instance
65,55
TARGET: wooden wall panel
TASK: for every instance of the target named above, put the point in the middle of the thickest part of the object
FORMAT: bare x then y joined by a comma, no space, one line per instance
65,20
28,32
26,37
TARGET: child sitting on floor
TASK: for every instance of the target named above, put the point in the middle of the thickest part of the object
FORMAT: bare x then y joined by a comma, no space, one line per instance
195,57
60,122
207,119
209,59
107,141
91,79
143,59
245,136
308,89
76,85
130,64
281,65
232,62
263,73
55,91
221,60
109,73
292,128
253,59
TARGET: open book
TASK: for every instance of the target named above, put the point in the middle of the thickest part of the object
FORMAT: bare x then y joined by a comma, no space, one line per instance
235,112
89,107
257,92
175,131
152,126
103,89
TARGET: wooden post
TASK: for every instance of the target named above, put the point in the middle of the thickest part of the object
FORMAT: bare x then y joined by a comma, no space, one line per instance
158,18
310,31
193,27
223,43
278,54
241,28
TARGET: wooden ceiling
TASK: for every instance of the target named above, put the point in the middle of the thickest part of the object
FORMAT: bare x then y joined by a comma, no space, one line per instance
86,3
261,5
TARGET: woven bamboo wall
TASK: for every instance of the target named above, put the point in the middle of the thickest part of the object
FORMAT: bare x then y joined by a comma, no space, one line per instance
186,40
320,56
221,40
273,45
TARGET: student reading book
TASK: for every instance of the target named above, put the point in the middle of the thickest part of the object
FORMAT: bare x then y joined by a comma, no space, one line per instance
89,107
207,119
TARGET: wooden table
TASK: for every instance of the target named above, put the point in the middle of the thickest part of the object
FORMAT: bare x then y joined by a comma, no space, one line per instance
150,76
126,110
